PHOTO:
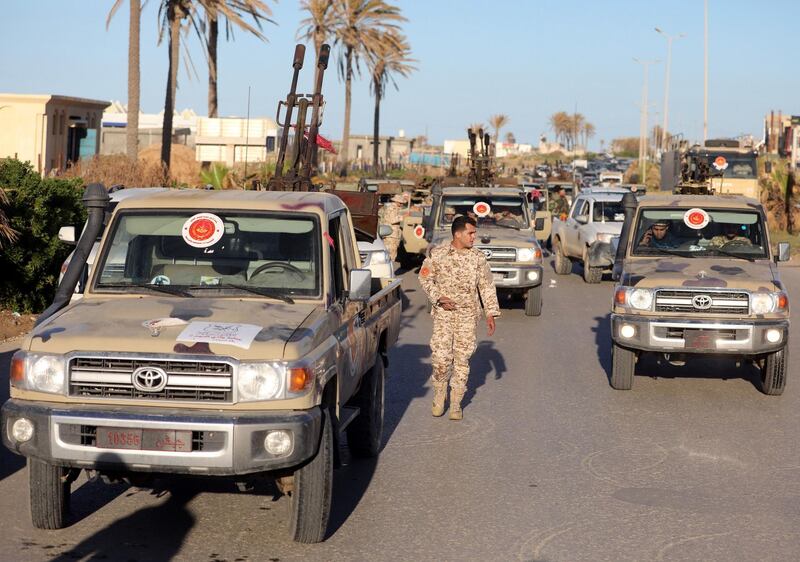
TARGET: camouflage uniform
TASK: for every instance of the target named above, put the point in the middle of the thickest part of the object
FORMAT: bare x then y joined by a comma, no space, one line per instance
459,275
560,207
720,240
392,214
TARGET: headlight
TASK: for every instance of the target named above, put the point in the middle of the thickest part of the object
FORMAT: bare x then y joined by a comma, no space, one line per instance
529,254
764,303
641,299
606,237
38,371
261,381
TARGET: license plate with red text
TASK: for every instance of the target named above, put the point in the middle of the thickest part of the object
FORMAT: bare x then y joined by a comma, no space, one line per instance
144,439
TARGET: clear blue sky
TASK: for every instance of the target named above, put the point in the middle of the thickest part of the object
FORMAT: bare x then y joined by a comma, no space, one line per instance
527,59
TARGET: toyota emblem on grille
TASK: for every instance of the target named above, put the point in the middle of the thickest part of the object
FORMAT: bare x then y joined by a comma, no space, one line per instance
487,252
701,302
149,379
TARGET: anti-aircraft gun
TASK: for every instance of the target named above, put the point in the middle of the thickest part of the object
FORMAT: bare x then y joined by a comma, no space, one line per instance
719,166
481,170
297,175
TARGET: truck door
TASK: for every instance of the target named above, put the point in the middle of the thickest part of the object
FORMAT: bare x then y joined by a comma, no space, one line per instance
580,208
351,334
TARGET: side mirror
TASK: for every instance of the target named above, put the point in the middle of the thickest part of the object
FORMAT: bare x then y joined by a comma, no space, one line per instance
538,223
384,230
583,219
360,284
67,234
783,252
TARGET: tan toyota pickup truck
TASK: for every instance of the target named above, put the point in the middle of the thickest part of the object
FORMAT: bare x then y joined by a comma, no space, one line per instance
698,277
221,333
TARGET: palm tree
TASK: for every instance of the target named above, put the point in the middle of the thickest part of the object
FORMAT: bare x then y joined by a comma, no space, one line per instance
588,132
560,123
233,12
498,122
7,233
359,26
132,127
319,25
391,59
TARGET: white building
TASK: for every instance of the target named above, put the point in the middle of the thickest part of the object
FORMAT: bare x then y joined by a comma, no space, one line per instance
232,139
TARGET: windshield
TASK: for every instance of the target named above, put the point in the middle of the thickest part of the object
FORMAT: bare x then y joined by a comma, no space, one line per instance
270,252
487,210
608,211
734,166
700,233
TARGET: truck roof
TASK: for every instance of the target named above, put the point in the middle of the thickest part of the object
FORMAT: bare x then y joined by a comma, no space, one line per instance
515,190
236,199
688,201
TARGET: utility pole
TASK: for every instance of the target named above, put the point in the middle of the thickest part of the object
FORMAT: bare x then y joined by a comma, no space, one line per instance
705,71
670,38
643,136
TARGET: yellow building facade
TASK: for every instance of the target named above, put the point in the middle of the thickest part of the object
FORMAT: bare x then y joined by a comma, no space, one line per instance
49,131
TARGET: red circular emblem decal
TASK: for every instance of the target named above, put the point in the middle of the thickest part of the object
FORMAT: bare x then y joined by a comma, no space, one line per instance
696,218
201,230
419,231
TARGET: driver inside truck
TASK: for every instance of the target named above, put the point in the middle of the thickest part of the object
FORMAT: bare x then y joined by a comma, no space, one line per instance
732,233
659,236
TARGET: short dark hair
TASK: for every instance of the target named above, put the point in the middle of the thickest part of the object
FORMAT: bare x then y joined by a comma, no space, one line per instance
460,223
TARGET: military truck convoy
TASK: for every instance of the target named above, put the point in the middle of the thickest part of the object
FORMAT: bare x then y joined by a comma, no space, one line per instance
221,333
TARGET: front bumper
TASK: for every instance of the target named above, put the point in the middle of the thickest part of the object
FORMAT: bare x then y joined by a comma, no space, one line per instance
601,254
716,336
516,276
222,443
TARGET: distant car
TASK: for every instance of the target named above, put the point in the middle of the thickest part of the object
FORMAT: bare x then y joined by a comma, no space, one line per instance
375,257
588,234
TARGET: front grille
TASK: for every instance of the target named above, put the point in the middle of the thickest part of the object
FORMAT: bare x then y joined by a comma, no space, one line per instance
493,253
187,381
722,302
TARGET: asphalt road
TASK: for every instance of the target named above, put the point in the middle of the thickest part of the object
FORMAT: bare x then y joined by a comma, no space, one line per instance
549,463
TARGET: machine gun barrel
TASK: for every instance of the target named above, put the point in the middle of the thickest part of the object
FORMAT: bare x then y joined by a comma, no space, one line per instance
316,107
291,99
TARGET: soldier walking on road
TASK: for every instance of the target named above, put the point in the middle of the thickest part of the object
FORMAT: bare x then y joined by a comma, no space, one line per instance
392,215
453,276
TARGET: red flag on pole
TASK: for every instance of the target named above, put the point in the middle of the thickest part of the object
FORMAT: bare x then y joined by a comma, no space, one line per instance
323,143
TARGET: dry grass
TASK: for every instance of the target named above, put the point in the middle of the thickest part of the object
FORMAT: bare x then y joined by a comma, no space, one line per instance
117,169
183,168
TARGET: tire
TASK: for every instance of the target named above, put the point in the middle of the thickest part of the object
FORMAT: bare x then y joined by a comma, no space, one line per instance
533,302
591,274
365,433
49,493
563,265
623,367
773,373
310,503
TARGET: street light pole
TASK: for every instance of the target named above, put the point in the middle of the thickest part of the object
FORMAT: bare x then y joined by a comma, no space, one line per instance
670,38
705,71
643,144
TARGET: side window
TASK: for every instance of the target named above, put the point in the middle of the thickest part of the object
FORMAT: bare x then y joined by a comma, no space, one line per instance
579,208
348,255
336,265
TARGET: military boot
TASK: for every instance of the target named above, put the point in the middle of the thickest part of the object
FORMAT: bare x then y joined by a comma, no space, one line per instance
439,395
456,413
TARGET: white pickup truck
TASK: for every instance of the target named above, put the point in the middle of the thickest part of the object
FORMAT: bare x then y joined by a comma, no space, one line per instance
587,235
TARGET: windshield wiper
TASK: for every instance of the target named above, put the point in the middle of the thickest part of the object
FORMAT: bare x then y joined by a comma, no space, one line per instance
504,226
731,254
262,291
169,289
663,251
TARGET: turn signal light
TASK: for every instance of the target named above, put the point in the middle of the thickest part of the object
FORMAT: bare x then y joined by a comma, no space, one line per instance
537,254
299,379
17,368
783,301
621,296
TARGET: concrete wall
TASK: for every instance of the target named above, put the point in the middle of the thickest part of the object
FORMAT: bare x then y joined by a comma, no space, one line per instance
37,128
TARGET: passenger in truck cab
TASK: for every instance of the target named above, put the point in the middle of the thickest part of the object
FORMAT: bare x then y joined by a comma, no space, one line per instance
733,234
659,236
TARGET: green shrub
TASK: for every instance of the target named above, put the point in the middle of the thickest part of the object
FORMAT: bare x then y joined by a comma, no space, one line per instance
37,209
